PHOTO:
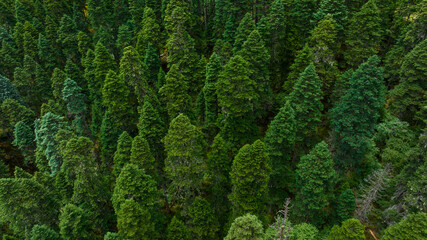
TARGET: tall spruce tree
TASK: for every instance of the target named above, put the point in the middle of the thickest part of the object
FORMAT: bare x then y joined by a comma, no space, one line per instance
134,222
303,58
250,174
74,223
149,33
140,155
203,223
75,100
122,154
246,26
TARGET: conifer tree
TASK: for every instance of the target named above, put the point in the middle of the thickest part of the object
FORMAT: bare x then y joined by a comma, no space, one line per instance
177,230
115,97
73,71
354,118
152,64
346,205
149,33
302,12
111,236
303,58
246,227
363,35
338,10
250,174
213,69
46,53
67,37
4,170
9,59
74,223
133,72
412,227
408,97
279,141
175,93
74,98
124,36
184,146
350,229
58,78
13,112
134,222
141,156
8,90
305,99
136,10
109,133
315,179
123,152
21,13
24,140
84,43
246,26
43,232
203,224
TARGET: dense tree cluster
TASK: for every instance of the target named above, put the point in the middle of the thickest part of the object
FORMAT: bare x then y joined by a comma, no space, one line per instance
213,119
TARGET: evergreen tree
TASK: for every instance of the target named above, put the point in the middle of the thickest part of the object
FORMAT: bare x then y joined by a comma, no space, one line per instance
346,205
9,59
246,227
304,231
175,93
46,53
24,140
109,133
302,12
315,179
74,223
122,154
149,33
363,35
250,174
4,170
134,222
412,227
305,99
58,78
213,69
408,97
354,118
141,156
177,230
124,36
152,63
184,146
246,26
84,43
74,98
279,141
8,90
303,58
43,232
13,112
338,10
350,229
73,71
133,73
67,37
203,223
111,236
136,10
21,13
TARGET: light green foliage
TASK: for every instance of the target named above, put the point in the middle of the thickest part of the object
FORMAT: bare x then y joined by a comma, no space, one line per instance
279,141
30,37
303,58
408,98
363,35
149,33
247,227
304,231
412,227
315,181
350,229
141,156
124,36
354,118
21,173
184,164
203,223
122,154
40,207
74,223
133,222
177,230
306,101
111,236
250,174
43,232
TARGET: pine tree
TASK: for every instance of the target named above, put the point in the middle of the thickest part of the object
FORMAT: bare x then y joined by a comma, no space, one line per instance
315,179
246,227
67,37
408,97
354,118
46,53
115,97
302,12
250,174
21,13
149,33
111,236
305,99
124,36
8,90
58,78
203,224
279,141
74,98
412,227
73,71
133,72
338,10
177,230
84,43
246,26
24,140
363,35
134,222
9,59
74,223
122,154
141,156
350,229
136,9
346,205
184,146
4,170
303,58
175,93
213,69
13,112
152,63
43,232
110,130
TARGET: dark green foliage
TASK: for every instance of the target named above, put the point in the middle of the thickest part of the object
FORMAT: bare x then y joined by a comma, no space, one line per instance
338,10
73,71
24,140
149,33
363,35
245,228
412,227
74,98
115,98
84,43
350,229
302,12
13,112
250,174
43,232
9,59
8,90
306,99
245,28
184,146
203,224
132,71
152,63
74,223
354,118
346,205
303,58
408,97
315,179
67,37
110,131
122,154
4,170
177,230
20,173
279,142
124,36
46,53
58,78
21,12
213,69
